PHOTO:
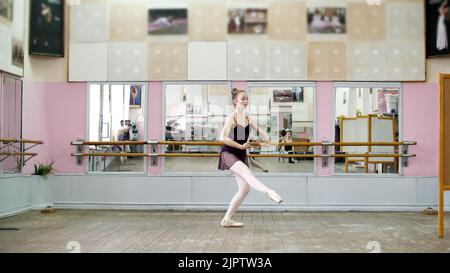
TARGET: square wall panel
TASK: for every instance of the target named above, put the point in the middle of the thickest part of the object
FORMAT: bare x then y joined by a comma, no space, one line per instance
376,23
88,23
88,62
287,20
337,60
317,61
395,21
128,22
167,61
207,21
405,21
327,61
366,61
127,62
357,24
366,23
415,18
405,61
286,61
207,61
358,60
246,61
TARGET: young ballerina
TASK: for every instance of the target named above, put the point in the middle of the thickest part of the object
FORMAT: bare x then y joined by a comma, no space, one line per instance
233,155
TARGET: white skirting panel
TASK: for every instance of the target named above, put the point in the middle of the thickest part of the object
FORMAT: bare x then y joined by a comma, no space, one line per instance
215,192
15,196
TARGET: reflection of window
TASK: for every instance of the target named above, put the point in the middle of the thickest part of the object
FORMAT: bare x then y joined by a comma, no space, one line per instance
11,121
280,108
194,112
366,113
116,113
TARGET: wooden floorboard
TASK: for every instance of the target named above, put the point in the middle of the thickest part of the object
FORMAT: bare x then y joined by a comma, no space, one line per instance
200,231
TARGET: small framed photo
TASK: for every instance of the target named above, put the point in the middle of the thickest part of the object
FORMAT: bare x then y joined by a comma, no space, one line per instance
135,96
282,95
298,94
167,22
326,20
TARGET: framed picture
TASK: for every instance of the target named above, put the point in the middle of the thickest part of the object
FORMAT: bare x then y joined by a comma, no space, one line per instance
298,94
47,28
167,22
282,95
17,53
247,21
437,27
236,19
135,96
323,20
6,10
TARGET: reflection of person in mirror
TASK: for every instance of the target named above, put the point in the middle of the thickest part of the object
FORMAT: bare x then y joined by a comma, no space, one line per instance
288,148
233,155
442,32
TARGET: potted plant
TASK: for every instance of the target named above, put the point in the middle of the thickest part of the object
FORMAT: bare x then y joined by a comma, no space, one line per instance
44,169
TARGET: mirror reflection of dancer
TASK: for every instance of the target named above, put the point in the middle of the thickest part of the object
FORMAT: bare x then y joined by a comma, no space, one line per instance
442,39
253,162
233,155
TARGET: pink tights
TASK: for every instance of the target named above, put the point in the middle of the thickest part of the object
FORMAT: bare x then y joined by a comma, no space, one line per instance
244,179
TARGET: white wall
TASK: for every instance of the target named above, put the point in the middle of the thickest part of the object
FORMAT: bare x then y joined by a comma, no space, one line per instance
215,192
22,193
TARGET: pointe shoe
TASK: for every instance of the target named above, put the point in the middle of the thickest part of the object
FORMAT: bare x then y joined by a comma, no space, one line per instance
274,196
230,223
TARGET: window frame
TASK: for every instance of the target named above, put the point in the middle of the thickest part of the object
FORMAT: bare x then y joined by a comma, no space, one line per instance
311,84
163,125
144,103
397,85
2,81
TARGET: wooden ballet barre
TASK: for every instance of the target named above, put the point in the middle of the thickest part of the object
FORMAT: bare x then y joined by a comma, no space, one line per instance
26,154
219,143
98,143
30,141
110,154
248,155
373,143
373,155
7,140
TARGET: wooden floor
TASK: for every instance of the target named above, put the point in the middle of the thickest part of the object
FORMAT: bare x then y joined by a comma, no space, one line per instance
199,231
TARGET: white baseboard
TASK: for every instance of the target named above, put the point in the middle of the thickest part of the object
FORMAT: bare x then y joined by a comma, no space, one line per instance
222,207
5,213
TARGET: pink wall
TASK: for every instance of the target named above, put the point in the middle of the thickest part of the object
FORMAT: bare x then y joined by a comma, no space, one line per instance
324,97
155,118
421,123
56,114
34,123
